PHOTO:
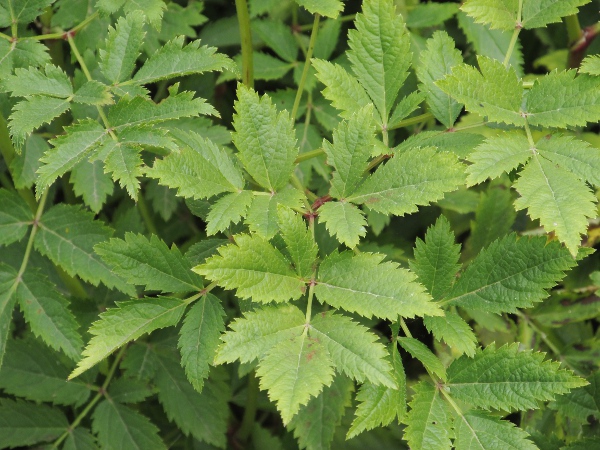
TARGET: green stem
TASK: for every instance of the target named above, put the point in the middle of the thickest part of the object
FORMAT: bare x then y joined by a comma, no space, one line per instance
309,52
5,36
529,136
407,332
511,46
246,40
574,32
309,155
145,213
62,34
411,121
251,405
311,289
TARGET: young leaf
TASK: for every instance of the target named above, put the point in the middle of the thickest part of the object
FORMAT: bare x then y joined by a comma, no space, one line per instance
255,269
380,405
127,322
420,351
380,53
511,379
453,330
413,177
150,263
119,426
315,423
429,421
230,208
123,43
345,221
15,217
363,284
435,63
558,198
252,336
327,8
294,371
478,430
352,348
495,92
299,242
67,235
436,259
199,338
265,139
511,273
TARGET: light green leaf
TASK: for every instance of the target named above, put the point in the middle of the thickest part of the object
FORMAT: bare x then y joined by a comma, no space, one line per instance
511,273
175,59
435,63
149,263
353,142
425,15
558,198
123,43
453,330
199,338
421,352
230,208
21,11
294,371
502,14
495,92
353,349
119,426
590,65
580,403
32,113
363,284
127,322
90,182
262,215
380,405
573,154
380,53
560,99
50,81
436,259
265,139
461,144
253,335
299,241
150,136
498,154
539,13
429,421
67,235
315,424
93,93
345,221
278,36
152,9
406,107
327,8
412,178
506,378
15,217
124,163
255,269
23,424
477,430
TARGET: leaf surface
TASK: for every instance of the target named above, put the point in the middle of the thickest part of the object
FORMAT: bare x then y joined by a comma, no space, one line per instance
345,221
15,217
478,430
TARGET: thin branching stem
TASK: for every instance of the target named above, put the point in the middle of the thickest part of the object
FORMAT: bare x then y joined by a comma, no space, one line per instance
309,52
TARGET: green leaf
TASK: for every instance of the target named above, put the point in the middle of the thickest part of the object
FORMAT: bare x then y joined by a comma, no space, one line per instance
380,53
23,53
69,149
299,242
495,92
498,154
265,139
560,99
436,259
67,235
580,403
414,177
502,14
199,338
353,142
477,430
129,321
380,405
30,370
590,65
21,11
15,217
293,371
32,113
23,423
507,378
50,81
93,93
25,165
425,15
80,439
149,263
119,426
421,352
511,273
429,421
266,67
175,59
558,198
406,107
90,182
315,424
255,269
363,284
230,208
436,62
124,162
123,43
262,215
278,36
152,9
345,221
7,305
539,13
353,349
327,8
453,330
575,155
253,335
129,390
